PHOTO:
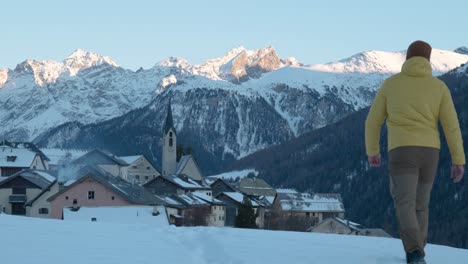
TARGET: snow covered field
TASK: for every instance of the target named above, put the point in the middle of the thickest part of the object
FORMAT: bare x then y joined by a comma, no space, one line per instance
27,240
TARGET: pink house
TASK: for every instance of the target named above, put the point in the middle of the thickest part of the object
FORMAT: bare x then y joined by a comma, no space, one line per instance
95,187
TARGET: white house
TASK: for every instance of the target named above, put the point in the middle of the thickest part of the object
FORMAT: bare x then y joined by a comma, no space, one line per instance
15,157
139,170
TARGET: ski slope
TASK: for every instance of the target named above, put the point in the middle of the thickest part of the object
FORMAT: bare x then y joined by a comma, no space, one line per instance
29,240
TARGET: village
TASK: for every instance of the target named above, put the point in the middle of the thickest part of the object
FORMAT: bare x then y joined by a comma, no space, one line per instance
97,186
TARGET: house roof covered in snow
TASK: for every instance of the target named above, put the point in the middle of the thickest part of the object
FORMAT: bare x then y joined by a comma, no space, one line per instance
97,156
182,181
306,202
256,186
209,199
132,193
189,199
130,159
57,155
41,179
237,197
170,201
16,157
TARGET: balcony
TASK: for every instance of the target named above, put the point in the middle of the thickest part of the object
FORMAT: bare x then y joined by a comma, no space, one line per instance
17,198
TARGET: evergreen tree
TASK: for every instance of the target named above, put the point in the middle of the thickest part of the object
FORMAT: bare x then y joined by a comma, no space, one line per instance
246,215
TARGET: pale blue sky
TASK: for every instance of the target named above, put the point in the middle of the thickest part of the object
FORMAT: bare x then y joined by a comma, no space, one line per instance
140,33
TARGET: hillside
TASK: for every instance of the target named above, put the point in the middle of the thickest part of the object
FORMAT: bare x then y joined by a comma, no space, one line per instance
53,241
333,159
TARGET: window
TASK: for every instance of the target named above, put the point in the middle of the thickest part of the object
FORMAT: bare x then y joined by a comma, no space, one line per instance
34,167
43,211
308,214
93,219
220,218
19,190
170,142
11,158
137,177
148,168
75,201
113,197
66,197
135,167
215,207
146,177
91,195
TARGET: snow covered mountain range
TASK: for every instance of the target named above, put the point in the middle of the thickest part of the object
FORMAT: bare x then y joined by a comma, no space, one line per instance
229,97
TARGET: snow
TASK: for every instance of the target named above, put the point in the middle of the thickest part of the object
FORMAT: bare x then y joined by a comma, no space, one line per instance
119,214
234,174
54,241
90,88
206,197
45,175
239,197
281,190
57,155
390,62
69,182
310,202
3,77
130,159
24,157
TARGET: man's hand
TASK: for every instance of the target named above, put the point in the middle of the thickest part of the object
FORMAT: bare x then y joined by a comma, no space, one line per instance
374,161
456,173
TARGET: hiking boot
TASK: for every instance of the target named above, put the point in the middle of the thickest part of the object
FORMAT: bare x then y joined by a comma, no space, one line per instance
415,257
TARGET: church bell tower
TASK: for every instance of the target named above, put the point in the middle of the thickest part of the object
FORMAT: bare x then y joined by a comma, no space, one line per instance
169,154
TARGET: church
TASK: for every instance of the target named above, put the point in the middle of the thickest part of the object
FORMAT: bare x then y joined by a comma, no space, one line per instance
170,165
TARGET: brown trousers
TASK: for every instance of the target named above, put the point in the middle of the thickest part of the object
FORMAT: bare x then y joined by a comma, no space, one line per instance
412,173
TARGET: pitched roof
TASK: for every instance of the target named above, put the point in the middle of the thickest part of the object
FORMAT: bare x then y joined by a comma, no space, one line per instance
57,155
32,201
189,199
346,223
256,186
220,180
130,159
132,193
238,197
39,178
306,202
87,160
208,199
182,163
182,181
16,157
169,123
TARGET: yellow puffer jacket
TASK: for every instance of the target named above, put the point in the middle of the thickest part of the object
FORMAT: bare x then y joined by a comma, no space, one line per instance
413,102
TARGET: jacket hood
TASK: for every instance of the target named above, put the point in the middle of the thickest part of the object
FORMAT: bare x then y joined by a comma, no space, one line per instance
417,67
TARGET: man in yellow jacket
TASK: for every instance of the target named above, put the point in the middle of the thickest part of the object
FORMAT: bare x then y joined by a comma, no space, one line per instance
412,102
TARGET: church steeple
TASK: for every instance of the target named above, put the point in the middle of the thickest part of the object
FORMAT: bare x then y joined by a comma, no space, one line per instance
169,151
169,124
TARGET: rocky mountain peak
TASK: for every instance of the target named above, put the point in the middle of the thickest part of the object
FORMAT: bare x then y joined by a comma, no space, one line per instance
174,62
81,59
3,77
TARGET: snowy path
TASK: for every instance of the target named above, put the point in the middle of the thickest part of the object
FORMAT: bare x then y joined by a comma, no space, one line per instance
27,240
